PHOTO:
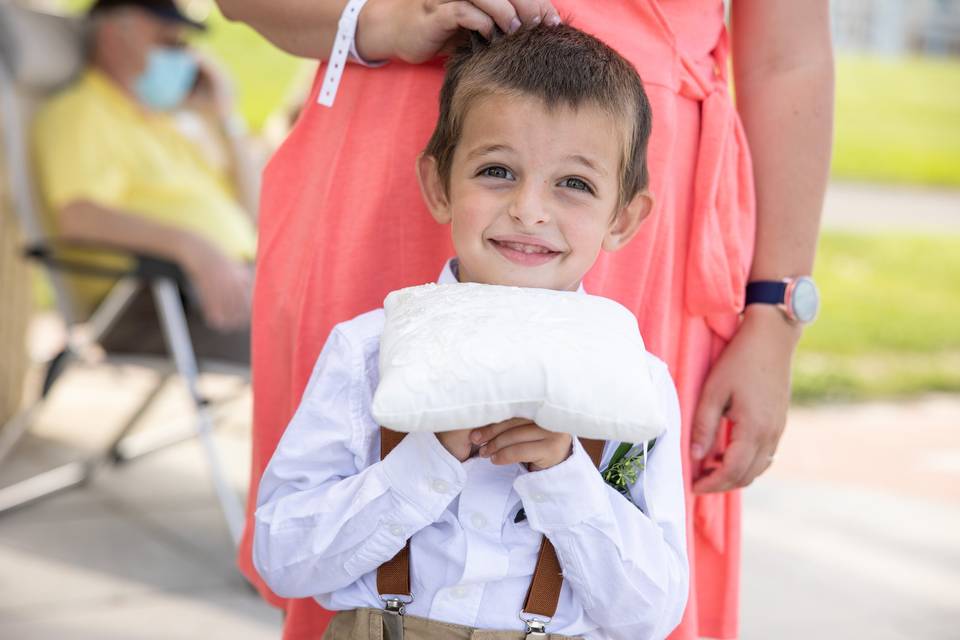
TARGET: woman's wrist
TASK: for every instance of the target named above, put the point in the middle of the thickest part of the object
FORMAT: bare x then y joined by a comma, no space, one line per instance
773,321
375,29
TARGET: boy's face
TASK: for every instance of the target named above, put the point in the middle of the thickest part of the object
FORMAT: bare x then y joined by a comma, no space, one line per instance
533,193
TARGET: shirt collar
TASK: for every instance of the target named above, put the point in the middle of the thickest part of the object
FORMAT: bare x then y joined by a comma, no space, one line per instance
116,98
449,274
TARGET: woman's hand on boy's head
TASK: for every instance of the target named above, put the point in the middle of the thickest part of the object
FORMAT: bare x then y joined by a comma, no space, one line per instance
417,31
519,440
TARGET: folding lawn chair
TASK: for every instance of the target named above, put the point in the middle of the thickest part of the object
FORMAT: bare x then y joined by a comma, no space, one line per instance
40,53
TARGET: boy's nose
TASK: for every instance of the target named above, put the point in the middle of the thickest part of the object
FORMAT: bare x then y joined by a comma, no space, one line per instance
528,207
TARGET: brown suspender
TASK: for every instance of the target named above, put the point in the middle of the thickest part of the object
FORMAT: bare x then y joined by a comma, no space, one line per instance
393,577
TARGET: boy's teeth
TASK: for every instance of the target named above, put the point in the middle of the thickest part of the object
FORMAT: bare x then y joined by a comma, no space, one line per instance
525,248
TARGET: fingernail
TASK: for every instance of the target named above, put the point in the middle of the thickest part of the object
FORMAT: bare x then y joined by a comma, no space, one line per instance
553,20
536,20
475,436
514,24
696,451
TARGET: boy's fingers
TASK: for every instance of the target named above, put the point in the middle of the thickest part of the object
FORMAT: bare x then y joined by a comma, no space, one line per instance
527,433
491,431
518,453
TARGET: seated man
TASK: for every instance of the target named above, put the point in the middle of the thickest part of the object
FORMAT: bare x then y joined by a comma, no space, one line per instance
116,169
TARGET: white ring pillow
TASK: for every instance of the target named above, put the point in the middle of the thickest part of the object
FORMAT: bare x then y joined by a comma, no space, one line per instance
456,356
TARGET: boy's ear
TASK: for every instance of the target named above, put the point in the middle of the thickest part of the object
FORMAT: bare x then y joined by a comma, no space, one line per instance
627,221
431,186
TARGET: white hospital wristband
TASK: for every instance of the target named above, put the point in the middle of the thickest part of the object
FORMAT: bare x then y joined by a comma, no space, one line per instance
344,45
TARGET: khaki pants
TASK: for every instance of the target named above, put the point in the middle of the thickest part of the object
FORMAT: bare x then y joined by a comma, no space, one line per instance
367,624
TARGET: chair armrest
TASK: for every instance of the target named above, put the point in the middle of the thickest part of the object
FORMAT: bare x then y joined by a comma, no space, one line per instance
146,267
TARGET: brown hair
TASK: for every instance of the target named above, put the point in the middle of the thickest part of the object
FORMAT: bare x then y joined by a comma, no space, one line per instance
560,65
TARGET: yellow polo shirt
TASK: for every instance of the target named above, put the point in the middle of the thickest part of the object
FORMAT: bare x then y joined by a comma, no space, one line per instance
93,142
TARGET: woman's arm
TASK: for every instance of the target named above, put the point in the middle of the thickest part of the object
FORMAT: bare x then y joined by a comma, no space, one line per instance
783,71
411,30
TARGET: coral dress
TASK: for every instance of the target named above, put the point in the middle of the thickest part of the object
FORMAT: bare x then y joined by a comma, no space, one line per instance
342,224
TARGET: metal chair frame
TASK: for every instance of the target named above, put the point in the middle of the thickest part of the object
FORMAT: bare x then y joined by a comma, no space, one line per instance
163,279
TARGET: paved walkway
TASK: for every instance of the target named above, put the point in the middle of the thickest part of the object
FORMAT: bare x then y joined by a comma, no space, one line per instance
853,206
852,534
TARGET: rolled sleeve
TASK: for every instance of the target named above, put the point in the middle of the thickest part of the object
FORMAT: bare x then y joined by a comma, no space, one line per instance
564,495
424,474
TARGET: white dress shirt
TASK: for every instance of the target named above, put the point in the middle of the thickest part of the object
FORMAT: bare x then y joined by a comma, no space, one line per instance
329,512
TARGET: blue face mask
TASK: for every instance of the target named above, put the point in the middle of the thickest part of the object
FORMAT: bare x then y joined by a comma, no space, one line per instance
168,78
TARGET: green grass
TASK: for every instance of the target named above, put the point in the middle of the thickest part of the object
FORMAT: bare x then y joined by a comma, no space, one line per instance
890,322
898,120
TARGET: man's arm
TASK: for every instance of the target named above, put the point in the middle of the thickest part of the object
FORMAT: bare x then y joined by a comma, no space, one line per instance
223,284
783,71
214,100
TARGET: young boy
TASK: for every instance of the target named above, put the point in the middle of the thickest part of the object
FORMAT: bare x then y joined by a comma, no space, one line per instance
538,162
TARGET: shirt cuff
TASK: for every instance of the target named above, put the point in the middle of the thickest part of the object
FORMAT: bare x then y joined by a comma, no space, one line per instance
564,495
424,473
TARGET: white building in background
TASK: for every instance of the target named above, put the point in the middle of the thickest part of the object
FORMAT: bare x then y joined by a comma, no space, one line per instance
897,27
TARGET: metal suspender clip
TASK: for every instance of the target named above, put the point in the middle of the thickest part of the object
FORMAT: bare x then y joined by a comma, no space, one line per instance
393,609
536,627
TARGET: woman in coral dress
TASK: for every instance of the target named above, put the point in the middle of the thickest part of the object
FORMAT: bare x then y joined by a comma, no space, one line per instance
342,222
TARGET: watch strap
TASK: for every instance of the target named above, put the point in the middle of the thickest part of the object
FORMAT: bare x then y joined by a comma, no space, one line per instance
766,292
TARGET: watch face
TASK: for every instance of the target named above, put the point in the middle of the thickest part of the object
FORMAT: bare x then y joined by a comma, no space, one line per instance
805,300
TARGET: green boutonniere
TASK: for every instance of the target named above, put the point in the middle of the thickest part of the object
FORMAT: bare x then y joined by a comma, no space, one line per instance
625,465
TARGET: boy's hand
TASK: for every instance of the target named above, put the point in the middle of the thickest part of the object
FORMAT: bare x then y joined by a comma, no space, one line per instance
457,442
520,440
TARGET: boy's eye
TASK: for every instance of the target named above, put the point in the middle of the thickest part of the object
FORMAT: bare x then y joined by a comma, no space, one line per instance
497,172
576,183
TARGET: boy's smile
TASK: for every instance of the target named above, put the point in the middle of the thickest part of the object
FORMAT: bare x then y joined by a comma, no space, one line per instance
534,193
525,250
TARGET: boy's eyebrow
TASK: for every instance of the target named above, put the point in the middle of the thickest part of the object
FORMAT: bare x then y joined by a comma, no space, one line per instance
588,163
487,149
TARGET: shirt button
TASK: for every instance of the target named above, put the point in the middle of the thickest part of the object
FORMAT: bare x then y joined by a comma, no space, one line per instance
478,521
440,486
396,530
458,592
539,497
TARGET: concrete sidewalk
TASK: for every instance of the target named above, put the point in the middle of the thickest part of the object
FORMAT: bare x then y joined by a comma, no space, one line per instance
859,207
852,534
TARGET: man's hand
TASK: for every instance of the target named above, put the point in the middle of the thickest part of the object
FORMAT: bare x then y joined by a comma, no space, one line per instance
520,441
223,284
214,92
750,386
